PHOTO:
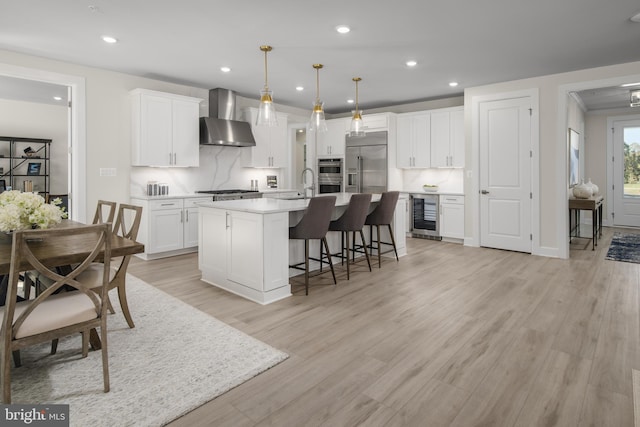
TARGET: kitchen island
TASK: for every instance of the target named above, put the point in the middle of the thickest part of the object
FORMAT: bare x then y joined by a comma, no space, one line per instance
244,246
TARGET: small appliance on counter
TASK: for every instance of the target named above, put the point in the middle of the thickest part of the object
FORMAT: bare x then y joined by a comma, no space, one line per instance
272,181
155,188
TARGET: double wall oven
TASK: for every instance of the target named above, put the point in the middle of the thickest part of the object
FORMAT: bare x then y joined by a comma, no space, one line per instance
330,176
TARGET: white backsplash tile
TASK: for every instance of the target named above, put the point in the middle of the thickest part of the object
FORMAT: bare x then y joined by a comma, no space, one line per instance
220,168
447,179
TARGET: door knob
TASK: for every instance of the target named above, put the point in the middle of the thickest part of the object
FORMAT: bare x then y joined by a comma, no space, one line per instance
484,192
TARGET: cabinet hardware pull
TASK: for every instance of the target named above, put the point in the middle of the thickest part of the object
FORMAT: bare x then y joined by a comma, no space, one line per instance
167,204
484,192
175,159
226,219
186,215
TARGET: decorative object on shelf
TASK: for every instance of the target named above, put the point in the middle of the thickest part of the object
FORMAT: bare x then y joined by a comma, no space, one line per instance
594,188
430,188
357,126
33,169
266,112
317,122
19,211
582,191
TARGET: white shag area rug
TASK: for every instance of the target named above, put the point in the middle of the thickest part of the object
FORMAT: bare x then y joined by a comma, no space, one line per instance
174,360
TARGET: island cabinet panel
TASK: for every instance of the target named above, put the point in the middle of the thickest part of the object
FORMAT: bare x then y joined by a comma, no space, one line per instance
245,253
169,232
244,257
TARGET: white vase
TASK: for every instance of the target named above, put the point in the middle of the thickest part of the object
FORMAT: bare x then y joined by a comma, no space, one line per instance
582,191
594,188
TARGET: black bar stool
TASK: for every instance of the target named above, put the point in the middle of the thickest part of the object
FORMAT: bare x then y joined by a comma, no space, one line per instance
352,220
314,225
383,215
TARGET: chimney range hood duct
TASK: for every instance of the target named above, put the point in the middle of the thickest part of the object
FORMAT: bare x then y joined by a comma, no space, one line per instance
221,128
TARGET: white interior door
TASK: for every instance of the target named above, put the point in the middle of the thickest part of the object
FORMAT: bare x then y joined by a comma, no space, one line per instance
505,174
626,170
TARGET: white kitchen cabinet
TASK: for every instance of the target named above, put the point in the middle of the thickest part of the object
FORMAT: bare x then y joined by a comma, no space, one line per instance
413,140
374,122
271,149
447,138
169,226
237,253
165,130
332,142
452,217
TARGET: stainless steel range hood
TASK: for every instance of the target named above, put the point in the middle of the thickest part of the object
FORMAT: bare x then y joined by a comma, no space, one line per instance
221,128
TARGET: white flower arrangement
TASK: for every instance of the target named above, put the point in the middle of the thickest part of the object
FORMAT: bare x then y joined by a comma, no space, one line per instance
19,211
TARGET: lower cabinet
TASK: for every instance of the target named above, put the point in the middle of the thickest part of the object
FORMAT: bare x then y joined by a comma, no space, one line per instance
452,217
169,226
234,253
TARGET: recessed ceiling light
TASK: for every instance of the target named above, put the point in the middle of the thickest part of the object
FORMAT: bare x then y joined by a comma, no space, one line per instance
343,29
411,63
57,98
299,88
225,69
636,17
630,84
109,39
350,101
453,84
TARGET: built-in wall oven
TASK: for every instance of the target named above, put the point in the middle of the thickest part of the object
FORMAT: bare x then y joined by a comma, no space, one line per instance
424,216
330,176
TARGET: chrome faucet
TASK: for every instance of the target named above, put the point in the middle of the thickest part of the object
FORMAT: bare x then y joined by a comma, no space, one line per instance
312,187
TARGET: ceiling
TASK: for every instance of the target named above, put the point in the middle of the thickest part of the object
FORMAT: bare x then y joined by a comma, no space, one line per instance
468,41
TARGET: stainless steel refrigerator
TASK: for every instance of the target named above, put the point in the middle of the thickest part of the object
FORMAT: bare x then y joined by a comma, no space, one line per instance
366,163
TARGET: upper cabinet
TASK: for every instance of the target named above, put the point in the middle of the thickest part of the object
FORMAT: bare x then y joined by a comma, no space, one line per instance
165,129
413,141
332,142
270,150
447,139
431,139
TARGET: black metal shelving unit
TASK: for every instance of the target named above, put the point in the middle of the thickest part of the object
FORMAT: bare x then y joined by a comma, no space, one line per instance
15,163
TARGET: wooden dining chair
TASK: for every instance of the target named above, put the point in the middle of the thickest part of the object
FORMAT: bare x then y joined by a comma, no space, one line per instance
127,226
54,315
105,212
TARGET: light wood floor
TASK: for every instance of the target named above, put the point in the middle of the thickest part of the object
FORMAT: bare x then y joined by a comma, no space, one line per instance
450,335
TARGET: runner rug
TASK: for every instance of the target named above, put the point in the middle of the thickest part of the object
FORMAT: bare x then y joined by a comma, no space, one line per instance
624,247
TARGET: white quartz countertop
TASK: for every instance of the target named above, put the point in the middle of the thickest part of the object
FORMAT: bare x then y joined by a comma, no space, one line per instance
440,192
172,196
267,205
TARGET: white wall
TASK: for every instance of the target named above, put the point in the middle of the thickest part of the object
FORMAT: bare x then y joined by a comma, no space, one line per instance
32,120
108,131
552,131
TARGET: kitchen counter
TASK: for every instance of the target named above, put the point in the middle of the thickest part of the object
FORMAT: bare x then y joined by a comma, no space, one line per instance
268,205
171,196
244,246
440,192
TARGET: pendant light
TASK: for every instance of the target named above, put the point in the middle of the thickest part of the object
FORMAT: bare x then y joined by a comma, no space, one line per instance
317,122
266,112
357,127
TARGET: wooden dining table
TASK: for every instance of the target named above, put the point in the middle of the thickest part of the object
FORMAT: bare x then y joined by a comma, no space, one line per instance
62,251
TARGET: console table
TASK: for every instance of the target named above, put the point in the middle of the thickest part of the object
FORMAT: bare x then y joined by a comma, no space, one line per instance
593,204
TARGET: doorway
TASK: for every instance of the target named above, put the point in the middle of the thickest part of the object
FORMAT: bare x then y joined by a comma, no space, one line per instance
625,163
77,128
